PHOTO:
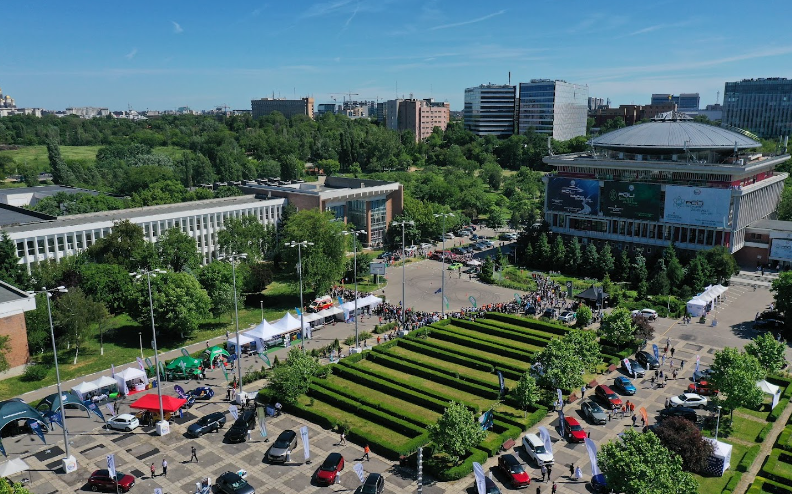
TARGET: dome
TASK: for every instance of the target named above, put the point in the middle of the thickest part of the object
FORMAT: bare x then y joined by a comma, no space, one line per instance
664,136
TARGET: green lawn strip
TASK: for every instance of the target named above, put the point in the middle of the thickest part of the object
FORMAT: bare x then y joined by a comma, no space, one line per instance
420,346
709,485
497,340
762,484
494,330
463,372
513,328
530,322
37,155
778,466
379,399
419,383
746,429
759,414
480,345
497,361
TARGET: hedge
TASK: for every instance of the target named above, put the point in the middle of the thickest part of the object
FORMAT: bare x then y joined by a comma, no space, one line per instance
769,469
785,439
443,334
748,459
463,469
505,341
419,347
431,374
385,328
504,432
471,354
778,410
543,335
501,332
760,438
458,375
732,483
529,323
762,485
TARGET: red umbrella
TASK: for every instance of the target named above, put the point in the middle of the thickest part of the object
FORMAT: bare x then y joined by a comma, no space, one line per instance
150,403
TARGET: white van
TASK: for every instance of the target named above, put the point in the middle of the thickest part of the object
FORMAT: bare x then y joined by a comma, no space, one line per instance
534,448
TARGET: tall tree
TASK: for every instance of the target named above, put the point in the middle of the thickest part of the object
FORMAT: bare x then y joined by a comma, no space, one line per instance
456,431
560,366
526,393
606,261
10,270
542,251
180,303
73,314
177,250
558,254
573,258
782,292
247,235
125,246
323,262
735,374
621,272
658,284
682,437
591,259
768,351
291,379
217,279
586,348
721,263
696,276
617,326
61,173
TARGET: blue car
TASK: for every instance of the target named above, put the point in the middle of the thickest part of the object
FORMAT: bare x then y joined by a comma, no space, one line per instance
625,385
598,484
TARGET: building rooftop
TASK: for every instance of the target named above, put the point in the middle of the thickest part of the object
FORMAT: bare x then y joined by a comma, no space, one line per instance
9,293
11,215
26,196
775,225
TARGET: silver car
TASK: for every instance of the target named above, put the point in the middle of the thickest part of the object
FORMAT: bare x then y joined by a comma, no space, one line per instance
593,412
287,441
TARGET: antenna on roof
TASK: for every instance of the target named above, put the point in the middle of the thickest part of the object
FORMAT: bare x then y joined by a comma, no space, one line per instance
510,78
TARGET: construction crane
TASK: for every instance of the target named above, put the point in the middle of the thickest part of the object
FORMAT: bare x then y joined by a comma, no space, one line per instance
344,96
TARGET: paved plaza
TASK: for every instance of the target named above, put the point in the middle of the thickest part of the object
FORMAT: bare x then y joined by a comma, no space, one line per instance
136,451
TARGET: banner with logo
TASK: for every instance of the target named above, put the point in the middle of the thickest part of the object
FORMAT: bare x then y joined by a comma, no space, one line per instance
481,484
573,195
700,206
111,469
262,425
263,356
501,383
185,352
485,420
95,409
445,301
637,201
358,468
233,411
644,415
544,435
698,361
560,397
112,371
781,249
472,301
140,364
561,422
225,372
57,418
110,408
592,452
656,351
35,427
306,445
628,366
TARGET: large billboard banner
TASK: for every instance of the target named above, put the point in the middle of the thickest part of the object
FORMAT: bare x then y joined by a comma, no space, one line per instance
572,195
781,250
697,206
631,200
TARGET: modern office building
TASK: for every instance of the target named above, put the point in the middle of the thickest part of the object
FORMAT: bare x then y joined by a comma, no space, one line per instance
594,103
671,180
684,101
288,107
489,110
323,108
631,114
13,305
370,205
556,108
420,116
761,106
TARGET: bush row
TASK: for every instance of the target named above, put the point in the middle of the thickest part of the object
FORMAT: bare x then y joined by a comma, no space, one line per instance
748,459
504,432
513,328
492,329
480,335
732,483
762,485
434,375
463,469
778,410
468,354
420,346
785,439
770,470
446,335
760,438
530,322
385,328
397,390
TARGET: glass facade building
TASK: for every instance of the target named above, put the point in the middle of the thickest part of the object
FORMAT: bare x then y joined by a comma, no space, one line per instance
489,110
761,106
556,108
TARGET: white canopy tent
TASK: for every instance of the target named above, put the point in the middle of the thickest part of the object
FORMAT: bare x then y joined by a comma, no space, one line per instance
311,317
84,390
771,389
243,340
130,377
13,467
263,331
372,300
105,383
720,459
288,323
696,307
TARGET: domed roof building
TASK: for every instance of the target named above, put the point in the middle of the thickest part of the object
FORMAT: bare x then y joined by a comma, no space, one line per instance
670,180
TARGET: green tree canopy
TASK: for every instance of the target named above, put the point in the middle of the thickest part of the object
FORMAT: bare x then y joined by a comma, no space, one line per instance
177,251
768,351
10,270
291,379
735,374
782,292
456,431
217,279
124,246
561,367
323,262
73,314
180,303
247,235
617,327
526,393
586,347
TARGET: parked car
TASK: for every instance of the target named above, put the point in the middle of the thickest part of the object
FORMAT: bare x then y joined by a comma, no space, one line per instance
702,375
635,367
410,249
464,233
535,449
479,246
208,423
374,484
625,385
691,400
474,237
124,422
471,270
573,430
599,485
704,388
426,246
530,310
567,317
549,313
647,360
328,472
449,236
593,412
238,432
649,314
287,441
514,471
232,483
607,397
684,412
202,393
455,266
101,480
490,487
489,244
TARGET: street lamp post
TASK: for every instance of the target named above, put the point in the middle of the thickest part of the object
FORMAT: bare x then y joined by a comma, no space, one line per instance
354,234
299,246
233,259
442,272
69,463
717,424
140,337
404,263
163,428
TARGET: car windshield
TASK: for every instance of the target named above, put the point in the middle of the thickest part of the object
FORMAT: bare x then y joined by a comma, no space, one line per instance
595,408
576,427
329,465
369,489
204,420
281,443
239,483
682,397
540,450
516,469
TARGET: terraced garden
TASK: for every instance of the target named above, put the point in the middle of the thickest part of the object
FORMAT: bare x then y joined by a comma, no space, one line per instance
387,397
775,476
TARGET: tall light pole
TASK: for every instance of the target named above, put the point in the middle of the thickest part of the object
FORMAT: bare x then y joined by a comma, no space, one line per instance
163,427
299,246
354,234
442,272
404,263
234,259
717,424
69,464
140,337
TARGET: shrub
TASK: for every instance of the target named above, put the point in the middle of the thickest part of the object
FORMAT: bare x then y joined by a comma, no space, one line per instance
35,372
548,327
785,439
771,469
748,459
385,328
778,410
760,438
252,376
502,332
494,361
732,483
443,334
362,337
443,473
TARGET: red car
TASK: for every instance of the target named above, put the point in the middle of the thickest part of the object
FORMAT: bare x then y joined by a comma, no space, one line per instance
100,480
514,471
702,388
608,397
331,467
573,430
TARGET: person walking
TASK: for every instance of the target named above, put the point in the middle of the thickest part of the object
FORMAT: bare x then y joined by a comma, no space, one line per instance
366,451
672,352
582,391
549,472
634,419
632,409
194,455
544,473
578,474
571,471
153,471
538,490
164,467
342,440
555,488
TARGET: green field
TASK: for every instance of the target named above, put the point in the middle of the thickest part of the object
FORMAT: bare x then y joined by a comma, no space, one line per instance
37,155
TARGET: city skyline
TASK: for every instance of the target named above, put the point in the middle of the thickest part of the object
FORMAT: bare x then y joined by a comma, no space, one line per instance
172,55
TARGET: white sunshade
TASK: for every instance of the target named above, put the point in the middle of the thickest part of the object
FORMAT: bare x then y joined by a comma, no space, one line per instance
104,382
263,330
330,311
84,388
13,467
373,300
311,317
473,262
243,340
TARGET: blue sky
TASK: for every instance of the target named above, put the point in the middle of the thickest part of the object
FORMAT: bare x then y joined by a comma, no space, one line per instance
161,55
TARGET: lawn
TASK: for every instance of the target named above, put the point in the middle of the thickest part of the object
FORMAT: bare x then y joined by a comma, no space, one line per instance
379,397
37,155
451,367
467,351
525,347
709,485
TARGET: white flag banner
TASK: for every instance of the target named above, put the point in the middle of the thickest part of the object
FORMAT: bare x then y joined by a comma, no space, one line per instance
560,397
544,435
698,360
306,446
592,452
157,490
110,408
358,468
111,466
234,411
628,366
481,484
263,428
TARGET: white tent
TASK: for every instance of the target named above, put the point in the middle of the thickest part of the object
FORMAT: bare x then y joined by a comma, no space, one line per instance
372,300
84,390
13,467
696,307
105,382
288,323
770,389
243,340
720,459
130,377
313,316
350,306
263,331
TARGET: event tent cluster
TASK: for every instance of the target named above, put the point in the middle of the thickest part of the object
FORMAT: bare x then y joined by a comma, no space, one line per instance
703,302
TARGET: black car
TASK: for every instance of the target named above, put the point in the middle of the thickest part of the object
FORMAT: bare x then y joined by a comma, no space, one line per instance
599,485
530,310
684,412
647,360
769,324
702,375
287,441
232,483
549,313
239,431
208,423
374,484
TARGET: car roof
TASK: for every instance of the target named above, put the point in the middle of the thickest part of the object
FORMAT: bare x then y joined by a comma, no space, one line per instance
333,458
373,478
125,416
605,388
510,459
571,420
287,434
623,378
230,476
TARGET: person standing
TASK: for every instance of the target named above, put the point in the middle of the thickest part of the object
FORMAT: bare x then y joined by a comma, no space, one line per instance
164,467
571,471
194,455
153,471
549,472
342,441
555,488
366,451
672,352
578,473
544,473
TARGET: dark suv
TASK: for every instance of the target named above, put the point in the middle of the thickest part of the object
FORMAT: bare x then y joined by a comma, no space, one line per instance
208,423
684,412
239,431
647,360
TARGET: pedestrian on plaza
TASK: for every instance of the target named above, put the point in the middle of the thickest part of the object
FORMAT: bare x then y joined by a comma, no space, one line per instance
549,472
671,363
681,364
624,410
538,490
674,374
643,422
661,375
366,451
634,419
668,343
662,359
555,488
342,440
610,415
656,373
578,473
194,455
378,340
582,391
207,343
164,467
544,472
672,352
153,471
632,409
571,471
667,401
249,435
665,380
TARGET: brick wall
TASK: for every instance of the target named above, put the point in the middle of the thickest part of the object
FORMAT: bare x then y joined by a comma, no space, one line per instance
14,326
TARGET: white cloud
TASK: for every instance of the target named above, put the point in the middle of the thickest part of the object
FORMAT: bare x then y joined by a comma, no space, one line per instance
472,21
177,29
131,54
322,9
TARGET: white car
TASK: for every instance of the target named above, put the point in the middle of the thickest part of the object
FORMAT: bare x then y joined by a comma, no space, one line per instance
567,317
449,236
426,246
649,314
534,448
124,422
411,248
690,400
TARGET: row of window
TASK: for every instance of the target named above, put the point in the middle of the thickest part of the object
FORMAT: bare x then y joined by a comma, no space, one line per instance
640,230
